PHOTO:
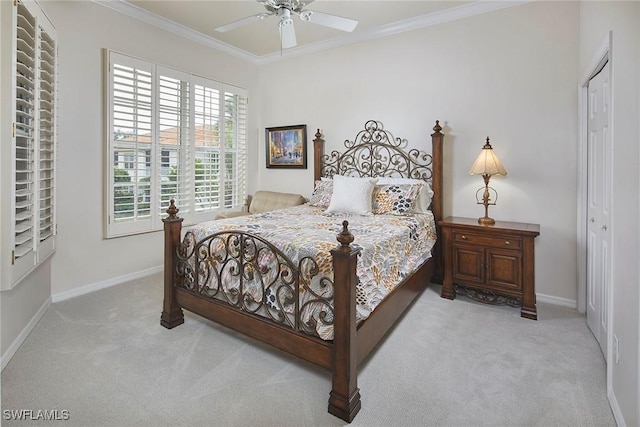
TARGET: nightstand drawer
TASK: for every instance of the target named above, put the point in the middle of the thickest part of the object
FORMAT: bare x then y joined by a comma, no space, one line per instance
507,242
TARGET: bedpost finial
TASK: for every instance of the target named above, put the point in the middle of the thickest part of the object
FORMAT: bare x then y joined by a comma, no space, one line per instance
172,210
437,128
318,134
345,237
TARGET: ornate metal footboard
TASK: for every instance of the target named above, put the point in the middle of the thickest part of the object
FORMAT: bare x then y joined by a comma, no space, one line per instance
251,274
242,281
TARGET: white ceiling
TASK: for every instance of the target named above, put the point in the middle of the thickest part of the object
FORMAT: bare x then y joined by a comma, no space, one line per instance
259,41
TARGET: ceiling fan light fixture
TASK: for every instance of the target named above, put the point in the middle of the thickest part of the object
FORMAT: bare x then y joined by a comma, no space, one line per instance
306,15
285,17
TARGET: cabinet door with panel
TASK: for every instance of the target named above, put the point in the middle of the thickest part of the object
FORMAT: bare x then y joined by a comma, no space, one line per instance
28,132
503,269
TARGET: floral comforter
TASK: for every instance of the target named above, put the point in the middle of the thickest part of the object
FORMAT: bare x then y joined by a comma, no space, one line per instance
392,246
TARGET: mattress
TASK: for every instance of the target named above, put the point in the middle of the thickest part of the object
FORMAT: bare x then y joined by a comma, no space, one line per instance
392,246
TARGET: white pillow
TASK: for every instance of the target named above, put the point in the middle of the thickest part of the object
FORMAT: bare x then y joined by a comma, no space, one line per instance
352,195
424,198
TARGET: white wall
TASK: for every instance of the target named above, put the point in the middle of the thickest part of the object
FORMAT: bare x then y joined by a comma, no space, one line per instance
83,256
623,19
510,75
21,308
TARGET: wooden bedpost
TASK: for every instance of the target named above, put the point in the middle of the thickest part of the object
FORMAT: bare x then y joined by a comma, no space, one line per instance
437,139
318,152
172,314
344,399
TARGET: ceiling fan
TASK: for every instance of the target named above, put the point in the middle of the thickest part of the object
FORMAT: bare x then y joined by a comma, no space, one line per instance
284,9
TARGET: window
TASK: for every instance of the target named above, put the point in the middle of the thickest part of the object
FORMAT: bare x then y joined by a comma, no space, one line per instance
29,141
172,135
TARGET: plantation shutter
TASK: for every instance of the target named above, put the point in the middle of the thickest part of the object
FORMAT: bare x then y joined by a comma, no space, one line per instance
207,148
25,132
235,125
47,131
131,137
29,140
174,120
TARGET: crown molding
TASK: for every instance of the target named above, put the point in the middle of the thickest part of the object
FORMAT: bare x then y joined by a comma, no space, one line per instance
134,11
453,14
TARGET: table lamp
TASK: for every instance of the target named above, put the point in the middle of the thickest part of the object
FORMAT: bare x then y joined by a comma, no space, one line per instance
487,164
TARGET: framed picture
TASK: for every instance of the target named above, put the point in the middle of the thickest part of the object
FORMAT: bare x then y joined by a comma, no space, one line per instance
287,147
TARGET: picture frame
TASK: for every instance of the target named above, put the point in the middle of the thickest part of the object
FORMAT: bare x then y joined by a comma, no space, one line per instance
286,147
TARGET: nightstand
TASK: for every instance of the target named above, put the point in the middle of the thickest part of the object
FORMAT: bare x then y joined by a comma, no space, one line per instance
493,264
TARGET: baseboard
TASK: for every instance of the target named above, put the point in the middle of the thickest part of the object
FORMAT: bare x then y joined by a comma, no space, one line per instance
615,408
15,345
564,302
61,296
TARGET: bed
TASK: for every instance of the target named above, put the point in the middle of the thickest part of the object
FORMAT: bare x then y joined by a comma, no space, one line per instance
266,277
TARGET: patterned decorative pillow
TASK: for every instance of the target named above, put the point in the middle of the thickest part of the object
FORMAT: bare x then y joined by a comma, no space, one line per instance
395,199
424,198
322,192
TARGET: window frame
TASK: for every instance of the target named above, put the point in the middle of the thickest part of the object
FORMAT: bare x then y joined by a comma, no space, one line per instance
148,149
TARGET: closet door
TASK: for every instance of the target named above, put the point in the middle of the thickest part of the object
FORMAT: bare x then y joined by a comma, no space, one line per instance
599,205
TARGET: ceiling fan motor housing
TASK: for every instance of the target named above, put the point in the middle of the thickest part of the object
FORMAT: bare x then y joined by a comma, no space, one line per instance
276,6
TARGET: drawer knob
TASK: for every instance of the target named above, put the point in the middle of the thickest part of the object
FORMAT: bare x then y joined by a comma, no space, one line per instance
463,237
507,242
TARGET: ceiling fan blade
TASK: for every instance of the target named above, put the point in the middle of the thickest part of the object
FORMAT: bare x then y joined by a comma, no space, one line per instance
328,20
240,22
288,36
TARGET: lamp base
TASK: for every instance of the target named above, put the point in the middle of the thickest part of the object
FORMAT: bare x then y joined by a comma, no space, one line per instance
485,220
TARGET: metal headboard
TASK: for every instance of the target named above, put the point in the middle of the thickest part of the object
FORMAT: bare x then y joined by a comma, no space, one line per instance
375,152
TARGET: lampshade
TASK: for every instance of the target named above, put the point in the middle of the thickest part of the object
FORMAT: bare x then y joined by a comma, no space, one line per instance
487,162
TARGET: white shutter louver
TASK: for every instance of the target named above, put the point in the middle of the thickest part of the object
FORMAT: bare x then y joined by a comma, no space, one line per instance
207,148
235,149
46,153
173,140
25,141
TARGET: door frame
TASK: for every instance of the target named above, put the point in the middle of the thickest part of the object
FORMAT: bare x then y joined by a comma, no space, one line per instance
603,54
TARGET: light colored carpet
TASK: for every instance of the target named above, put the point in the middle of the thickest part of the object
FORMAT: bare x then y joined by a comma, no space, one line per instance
105,359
